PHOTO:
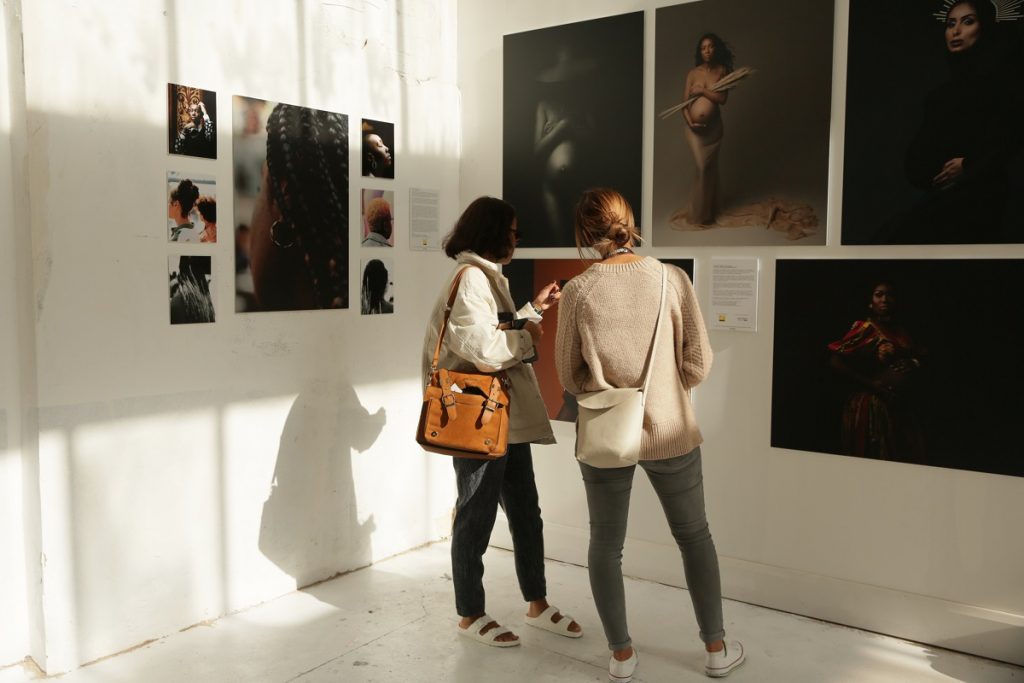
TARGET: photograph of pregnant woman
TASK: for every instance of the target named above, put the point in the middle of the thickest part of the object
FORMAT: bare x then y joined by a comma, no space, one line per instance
935,155
741,131
573,119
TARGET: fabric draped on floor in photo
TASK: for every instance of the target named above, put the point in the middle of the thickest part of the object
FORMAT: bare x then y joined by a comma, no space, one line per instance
796,219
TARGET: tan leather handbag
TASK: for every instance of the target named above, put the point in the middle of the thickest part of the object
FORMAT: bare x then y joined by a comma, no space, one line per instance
464,414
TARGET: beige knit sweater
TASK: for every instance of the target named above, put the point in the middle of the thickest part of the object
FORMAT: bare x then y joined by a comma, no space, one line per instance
605,327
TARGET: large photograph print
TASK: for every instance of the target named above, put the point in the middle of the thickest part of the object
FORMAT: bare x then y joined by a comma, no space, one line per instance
913,361
291,207
526,277
573,119
742,109
934,123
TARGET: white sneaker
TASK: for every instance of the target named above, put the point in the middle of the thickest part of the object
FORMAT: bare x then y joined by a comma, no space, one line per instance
622,672
719,664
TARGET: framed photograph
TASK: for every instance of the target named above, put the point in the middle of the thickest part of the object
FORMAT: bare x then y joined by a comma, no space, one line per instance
191,121
191,285
378,149
378,218
934,154
573,119
290,207
526,277
911,361
742,114
377,291
191,207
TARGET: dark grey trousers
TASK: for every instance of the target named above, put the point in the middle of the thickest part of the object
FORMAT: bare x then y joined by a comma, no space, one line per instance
679,484
483,485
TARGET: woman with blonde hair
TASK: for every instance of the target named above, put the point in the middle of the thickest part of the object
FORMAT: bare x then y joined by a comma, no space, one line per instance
606,314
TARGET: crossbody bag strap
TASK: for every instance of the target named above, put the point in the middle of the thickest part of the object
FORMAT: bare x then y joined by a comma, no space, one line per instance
657,332
447,314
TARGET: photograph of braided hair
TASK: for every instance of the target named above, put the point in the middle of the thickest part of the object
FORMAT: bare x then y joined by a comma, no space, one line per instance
307,173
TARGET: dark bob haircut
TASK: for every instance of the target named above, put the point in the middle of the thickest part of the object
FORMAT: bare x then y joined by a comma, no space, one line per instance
485,227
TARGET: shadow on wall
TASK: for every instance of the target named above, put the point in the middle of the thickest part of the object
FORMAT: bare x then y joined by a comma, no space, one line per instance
310,526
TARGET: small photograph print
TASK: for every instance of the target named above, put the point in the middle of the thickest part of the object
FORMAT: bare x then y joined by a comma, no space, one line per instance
191,208
291,206
378,218
377,294
378,149
526,277
572,119
934,155
910,361
191,284
191,121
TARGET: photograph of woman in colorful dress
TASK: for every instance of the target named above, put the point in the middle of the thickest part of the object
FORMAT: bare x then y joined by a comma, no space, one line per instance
913,361
878,358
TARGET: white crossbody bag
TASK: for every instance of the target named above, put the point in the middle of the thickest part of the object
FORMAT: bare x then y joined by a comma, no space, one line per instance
611,422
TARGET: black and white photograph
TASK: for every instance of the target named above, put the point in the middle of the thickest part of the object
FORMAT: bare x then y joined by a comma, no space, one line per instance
291,207
911,361
573,119
934,123
191,121
377,291
191,287
742,114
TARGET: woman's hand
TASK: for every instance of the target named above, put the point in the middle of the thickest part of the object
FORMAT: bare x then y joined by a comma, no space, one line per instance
547,297
951,172
535,331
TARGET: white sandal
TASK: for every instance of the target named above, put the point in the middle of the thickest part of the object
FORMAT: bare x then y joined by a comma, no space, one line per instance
561,627
475,631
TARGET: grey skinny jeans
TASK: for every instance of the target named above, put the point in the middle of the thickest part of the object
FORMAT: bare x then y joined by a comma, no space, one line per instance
679,484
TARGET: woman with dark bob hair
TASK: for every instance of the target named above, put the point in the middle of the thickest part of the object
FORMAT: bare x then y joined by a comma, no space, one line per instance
486,333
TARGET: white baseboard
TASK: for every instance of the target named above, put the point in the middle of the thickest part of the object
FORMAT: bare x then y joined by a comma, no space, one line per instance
920,618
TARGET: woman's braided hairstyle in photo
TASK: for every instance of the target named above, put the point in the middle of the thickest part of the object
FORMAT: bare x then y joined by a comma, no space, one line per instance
307,165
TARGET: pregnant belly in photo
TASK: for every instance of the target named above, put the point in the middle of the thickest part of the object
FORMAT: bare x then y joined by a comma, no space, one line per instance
703,110
562,159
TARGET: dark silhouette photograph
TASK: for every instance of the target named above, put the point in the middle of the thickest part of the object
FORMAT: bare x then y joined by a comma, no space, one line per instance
573,119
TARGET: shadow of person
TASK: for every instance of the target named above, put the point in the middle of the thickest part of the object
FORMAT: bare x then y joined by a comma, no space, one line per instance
310,526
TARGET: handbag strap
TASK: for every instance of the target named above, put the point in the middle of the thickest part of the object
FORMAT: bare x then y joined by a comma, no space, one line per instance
657,332
447,314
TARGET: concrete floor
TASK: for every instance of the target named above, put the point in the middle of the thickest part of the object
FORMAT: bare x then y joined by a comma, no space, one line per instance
395,621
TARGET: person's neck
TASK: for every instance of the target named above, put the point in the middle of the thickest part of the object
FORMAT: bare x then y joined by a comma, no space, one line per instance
621,256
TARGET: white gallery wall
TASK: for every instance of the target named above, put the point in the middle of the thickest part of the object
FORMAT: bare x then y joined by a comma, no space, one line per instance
929,554
15,338
186,472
